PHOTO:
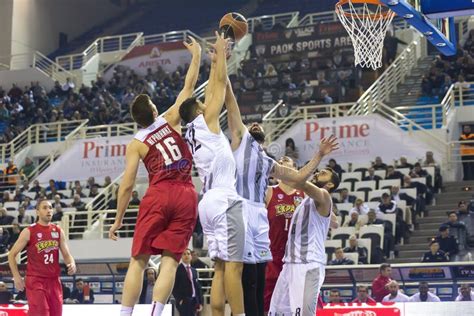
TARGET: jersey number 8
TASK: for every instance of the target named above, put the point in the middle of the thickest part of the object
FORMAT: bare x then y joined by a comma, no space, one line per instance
172,154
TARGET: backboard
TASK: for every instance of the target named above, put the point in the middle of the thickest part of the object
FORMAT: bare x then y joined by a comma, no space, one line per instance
434,19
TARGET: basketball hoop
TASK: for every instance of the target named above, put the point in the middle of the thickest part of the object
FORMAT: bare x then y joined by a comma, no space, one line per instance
367,22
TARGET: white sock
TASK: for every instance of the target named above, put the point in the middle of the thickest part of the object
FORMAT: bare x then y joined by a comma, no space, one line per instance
157,309
126,311
240,314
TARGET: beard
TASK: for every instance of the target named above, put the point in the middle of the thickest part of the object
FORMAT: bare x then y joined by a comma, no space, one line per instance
258,135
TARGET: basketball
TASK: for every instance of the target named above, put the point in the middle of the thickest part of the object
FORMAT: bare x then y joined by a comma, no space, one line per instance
234,25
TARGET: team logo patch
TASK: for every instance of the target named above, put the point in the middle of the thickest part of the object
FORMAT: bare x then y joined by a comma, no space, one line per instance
280,196
39,235
297,200
54,234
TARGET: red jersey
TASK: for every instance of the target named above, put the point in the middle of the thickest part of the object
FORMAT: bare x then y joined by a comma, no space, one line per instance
168,157
280,211
43,251
378,287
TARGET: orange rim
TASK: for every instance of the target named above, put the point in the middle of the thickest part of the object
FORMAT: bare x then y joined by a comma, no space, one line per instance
383,15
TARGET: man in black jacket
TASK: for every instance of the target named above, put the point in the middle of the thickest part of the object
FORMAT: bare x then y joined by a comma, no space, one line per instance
146,297
354,248
187,290
447,243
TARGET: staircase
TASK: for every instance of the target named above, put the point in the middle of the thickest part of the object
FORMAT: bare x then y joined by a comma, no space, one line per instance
437,215
409,90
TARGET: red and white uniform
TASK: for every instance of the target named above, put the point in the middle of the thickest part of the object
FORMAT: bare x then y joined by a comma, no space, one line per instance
168,211
280,211
43,287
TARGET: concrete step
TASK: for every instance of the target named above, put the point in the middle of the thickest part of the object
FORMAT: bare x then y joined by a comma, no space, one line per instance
458,186
431,226
405,260
416,240
427,233
432,219
420,247
411,254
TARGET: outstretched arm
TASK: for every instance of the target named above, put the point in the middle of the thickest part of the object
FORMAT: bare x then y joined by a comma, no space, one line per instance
172,115
132,160
297,179
215,104
234,119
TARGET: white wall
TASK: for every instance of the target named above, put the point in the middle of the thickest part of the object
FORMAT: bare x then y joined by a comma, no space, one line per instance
37,23
101,249
24,77
6,9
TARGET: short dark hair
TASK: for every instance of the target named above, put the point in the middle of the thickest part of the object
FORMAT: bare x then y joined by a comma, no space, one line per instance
385,195
360,287
142,111
443,228
79,280
452,212
335,180
435,241
461,202
335,291
384,266
187,109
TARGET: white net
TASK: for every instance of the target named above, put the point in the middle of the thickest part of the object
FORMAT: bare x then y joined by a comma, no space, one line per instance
367,23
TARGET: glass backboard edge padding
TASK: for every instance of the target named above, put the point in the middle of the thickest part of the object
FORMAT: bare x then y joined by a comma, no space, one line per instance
423,25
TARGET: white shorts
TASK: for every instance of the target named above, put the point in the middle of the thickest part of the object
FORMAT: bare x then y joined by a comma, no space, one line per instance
259,227
224,219
297,289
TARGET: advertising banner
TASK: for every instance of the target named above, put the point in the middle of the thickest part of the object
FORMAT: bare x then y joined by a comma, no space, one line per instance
361,139
99,157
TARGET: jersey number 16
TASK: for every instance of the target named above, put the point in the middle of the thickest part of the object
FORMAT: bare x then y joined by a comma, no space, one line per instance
171,153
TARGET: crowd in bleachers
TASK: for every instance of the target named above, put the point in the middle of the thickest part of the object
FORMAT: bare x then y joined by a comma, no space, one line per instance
446,70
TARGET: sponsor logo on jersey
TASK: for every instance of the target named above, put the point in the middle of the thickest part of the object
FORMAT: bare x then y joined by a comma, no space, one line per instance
39,235
297,200
280,196
47,245
285,209
54,234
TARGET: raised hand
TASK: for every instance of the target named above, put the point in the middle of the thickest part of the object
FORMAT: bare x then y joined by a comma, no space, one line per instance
193,47
113,230
328,145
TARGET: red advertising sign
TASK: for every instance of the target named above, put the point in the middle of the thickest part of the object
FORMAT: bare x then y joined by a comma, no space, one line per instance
13,310
359,311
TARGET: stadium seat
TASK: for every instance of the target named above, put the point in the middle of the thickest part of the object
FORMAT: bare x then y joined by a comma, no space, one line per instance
374,233
11,206
344,185
343,234
380,173
366,187
367,243
331,245
351,177
392,218
420,180
344,206
376,195
410,192
387,184
404,171
359,195
354,256
373,205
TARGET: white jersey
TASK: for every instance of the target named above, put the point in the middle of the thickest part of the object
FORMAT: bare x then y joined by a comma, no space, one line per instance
212,155
253,169
308,231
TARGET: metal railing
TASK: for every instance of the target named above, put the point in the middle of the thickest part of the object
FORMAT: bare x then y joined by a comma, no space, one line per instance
101,45
455,152
110,130
172,36
39,133
387,83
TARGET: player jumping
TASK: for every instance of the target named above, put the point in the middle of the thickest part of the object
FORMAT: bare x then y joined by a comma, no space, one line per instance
43,241
254,168
167,213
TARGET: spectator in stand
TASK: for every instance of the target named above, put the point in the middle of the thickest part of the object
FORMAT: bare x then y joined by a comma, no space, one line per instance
291,150
196,262
135,201
435,254
19,196
22,218
270,72
363,296
27,204
378,164
390,47
421,189
37,188
447,243
418,172
52,185
344,197
94,191
78,190
393,174
6,197
57,201
14,235
431,162
91,183
326,99
396,196
404,163
5,219
360,207
82,293
25,186
335,297
11,172
453,221
28,168
54,191
354,221
340,259
5,295
461,83
424,294
387,206
58,213
78,203
149,280
465,293
467,153
380,283
4,240
354,248
371,176
335,166
395,295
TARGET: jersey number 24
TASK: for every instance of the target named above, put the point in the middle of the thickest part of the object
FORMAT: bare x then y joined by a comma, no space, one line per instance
169,150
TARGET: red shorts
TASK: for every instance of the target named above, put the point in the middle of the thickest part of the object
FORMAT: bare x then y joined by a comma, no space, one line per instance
272,273
44,295
166,219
